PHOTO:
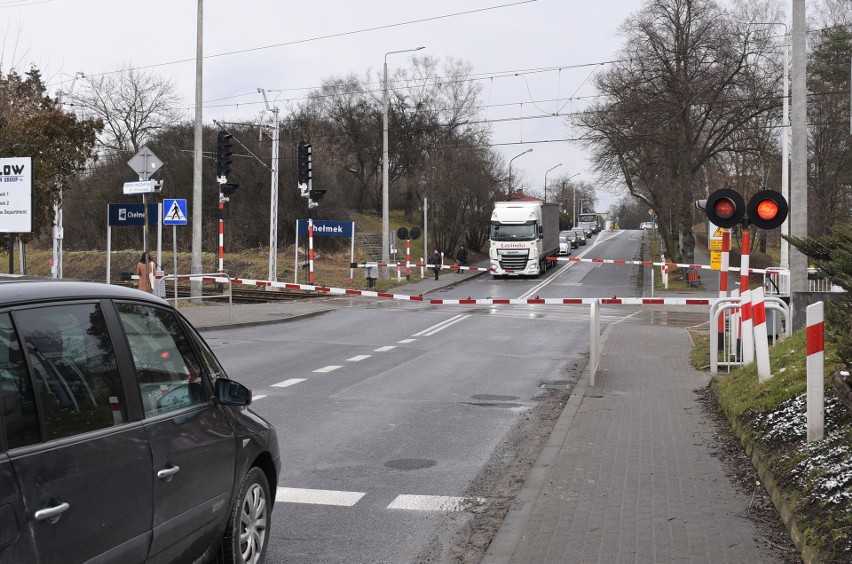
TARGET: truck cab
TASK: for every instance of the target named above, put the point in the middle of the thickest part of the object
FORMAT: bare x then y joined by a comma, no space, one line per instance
523,235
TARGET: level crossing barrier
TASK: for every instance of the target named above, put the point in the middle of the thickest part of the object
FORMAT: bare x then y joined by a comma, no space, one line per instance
218,277
731,350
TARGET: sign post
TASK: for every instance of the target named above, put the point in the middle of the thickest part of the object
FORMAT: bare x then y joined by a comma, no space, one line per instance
174,214
144,163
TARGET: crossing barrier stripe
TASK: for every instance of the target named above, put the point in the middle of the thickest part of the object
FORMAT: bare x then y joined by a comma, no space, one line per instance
463,301
649,263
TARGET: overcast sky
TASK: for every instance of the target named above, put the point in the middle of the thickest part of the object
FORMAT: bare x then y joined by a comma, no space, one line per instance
290,46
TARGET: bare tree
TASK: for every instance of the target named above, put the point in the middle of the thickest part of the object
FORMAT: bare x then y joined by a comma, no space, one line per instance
133,104
689,78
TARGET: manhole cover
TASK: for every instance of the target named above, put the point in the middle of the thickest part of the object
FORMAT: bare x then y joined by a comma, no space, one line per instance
493,397
503,405
410,463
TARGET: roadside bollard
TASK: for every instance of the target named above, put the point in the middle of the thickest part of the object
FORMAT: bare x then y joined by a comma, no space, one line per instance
816,372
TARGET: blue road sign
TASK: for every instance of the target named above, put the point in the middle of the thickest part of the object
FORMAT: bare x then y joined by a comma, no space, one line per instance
132,214
327,228
174,212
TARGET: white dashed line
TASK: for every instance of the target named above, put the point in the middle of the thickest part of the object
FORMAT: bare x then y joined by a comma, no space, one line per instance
255,398
318,497
325,369
406,341
359,358
289,382
434,503
385,349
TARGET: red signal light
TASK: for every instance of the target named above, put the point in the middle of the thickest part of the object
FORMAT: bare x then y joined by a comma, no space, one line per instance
725,208
767,209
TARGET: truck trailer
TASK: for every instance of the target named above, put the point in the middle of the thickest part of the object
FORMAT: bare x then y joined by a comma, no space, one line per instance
523,235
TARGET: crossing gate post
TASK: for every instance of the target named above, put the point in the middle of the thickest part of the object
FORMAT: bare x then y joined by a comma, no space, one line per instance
816,371
747,328
594,340
761,338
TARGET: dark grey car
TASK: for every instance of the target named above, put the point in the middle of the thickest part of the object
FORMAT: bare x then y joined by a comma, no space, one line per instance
121,437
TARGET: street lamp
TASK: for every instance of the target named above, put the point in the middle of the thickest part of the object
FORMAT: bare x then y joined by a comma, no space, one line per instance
545,179
385,164
509,193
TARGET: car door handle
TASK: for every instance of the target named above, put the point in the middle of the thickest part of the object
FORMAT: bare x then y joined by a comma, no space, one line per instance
51,512
167,473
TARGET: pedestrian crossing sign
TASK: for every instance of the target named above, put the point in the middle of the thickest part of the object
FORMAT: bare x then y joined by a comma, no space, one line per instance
174,212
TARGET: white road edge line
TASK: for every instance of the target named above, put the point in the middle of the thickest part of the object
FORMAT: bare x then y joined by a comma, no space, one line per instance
318,497
434,502
435,326
289,382
445,325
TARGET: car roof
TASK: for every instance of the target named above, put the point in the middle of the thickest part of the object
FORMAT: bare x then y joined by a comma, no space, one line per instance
28,289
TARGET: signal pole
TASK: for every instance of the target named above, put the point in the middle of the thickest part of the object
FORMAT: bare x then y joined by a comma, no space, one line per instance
273,198
799,165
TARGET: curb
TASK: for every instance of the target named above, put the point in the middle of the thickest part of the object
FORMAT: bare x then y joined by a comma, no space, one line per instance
239,324
809,554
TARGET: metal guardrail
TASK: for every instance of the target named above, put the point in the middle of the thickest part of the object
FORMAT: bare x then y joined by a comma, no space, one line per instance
160,288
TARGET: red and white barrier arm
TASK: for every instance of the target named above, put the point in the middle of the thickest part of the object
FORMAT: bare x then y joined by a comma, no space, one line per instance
421,265
463,301
649,263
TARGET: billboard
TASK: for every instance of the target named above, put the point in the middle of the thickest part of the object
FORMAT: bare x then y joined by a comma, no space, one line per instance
16,195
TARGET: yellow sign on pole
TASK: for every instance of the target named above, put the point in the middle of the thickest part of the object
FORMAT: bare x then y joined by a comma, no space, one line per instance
716,245
716,260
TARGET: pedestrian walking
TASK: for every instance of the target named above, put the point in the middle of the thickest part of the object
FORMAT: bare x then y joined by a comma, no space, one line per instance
436,262
461,257
145,270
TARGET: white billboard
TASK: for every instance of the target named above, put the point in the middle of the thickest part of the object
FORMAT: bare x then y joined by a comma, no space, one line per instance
16,195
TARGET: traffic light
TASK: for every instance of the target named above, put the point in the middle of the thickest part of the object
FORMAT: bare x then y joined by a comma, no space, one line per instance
304,162
726,208
223,154
316,195
228,189
767,209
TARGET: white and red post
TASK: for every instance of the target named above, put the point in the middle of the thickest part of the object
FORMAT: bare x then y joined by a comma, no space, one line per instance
310,250
747,326
221,236
723,283
761,337
816,372
408,259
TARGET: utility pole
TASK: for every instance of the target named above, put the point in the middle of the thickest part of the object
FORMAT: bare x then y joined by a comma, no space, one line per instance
799,162
196,163
273,199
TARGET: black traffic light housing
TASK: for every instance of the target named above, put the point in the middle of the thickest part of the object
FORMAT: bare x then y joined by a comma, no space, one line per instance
223,153
726,208
228,189
316,195
304,164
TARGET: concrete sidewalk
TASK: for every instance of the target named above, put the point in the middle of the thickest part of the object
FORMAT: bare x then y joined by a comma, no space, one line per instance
628,474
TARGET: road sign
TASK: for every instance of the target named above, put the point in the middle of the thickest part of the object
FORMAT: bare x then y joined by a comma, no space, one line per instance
140,187
174,212
714,237
132,214
327,228
716,260
144,163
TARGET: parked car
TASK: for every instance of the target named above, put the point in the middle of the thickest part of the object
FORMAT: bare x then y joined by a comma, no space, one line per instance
580,236
645,225
566,242
121,437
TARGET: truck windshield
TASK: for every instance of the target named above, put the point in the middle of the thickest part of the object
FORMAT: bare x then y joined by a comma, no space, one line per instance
514,232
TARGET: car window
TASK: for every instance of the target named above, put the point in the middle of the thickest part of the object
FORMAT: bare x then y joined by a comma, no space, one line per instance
211,363
167,370
76,379
17,399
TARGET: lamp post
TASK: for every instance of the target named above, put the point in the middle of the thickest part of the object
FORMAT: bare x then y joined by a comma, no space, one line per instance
509,192
545,179
385,164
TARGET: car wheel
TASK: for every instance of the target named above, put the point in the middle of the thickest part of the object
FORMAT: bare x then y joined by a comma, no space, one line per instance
248,526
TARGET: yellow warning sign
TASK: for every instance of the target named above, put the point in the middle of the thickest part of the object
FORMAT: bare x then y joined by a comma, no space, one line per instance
715,244
716,260
718,233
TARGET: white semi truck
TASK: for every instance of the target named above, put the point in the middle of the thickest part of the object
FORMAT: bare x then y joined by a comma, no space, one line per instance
523,235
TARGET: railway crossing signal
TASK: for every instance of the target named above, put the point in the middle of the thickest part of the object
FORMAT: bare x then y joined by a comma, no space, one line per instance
726,208
223,154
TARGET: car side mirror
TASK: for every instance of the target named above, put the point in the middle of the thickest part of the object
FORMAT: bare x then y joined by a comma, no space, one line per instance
229,392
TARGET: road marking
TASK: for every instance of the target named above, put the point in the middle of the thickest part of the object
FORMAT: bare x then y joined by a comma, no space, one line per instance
406,341
318,497
255,398
445,325
326,369
289,382
446,321
385,349
359,358
434,502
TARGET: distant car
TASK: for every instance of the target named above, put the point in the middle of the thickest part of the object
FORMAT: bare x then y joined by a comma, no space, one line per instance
121,437
566,239
645,225
581,236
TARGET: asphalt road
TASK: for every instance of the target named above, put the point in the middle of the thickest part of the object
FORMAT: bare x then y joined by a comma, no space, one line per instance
395,419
